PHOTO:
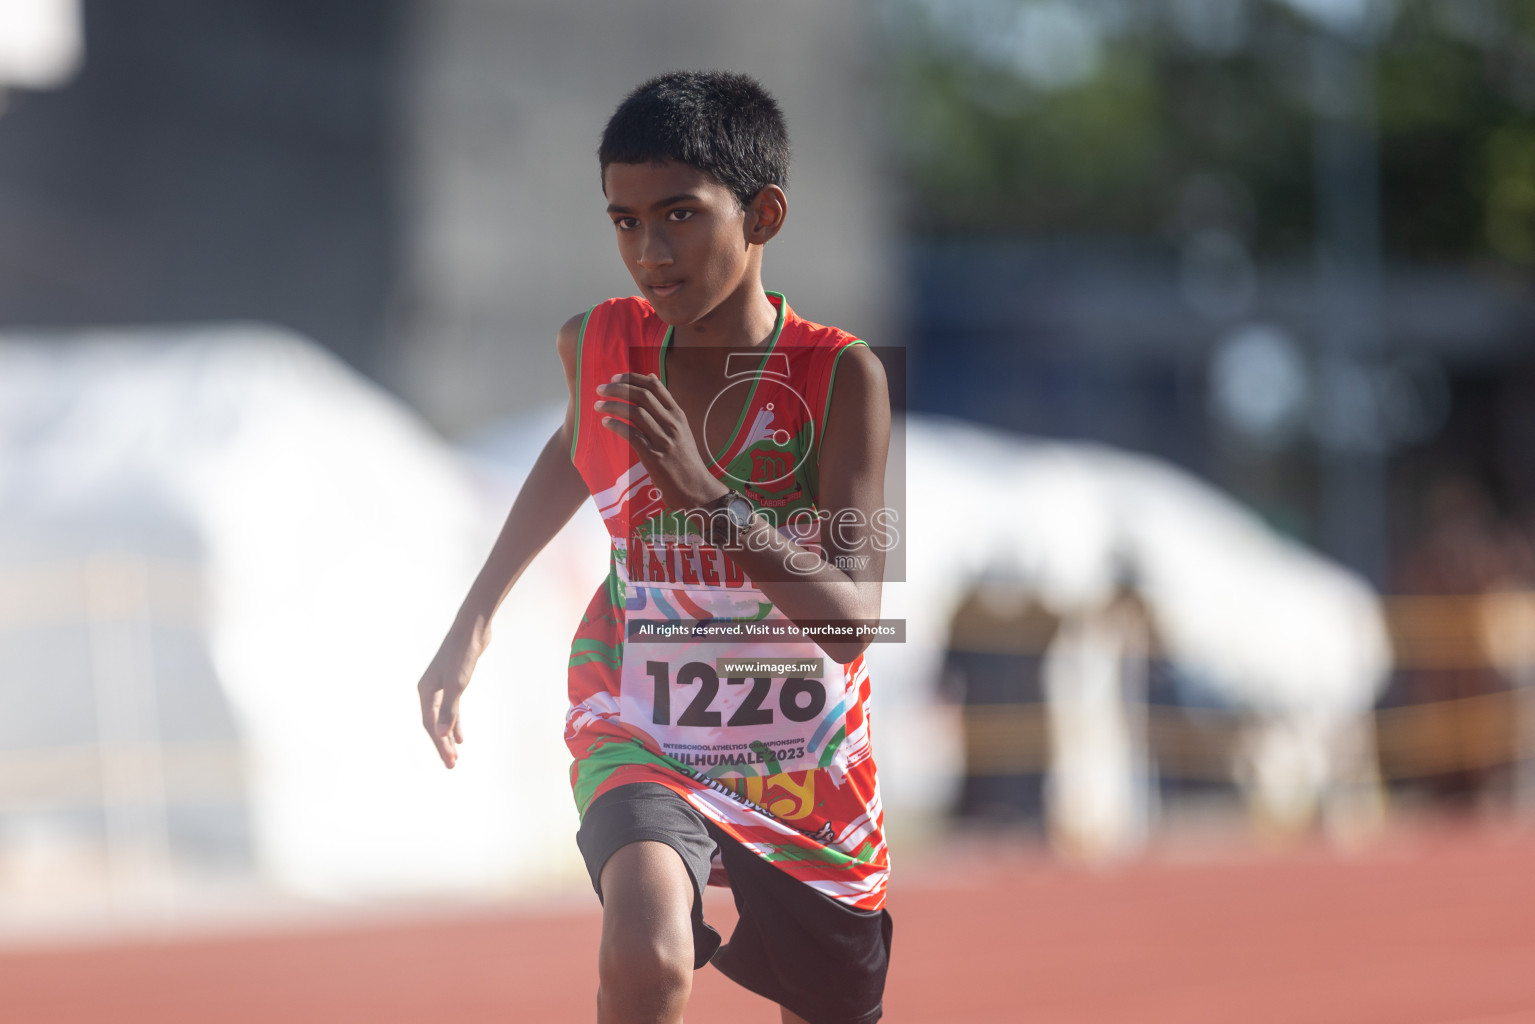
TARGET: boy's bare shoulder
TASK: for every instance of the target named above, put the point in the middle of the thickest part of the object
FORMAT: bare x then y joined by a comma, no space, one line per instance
863,369
569,337
859,389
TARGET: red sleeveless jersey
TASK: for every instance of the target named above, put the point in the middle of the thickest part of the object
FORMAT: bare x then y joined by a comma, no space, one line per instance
782,763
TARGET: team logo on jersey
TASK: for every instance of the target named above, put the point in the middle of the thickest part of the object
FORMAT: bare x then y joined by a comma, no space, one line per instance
778,415
772,481
769,466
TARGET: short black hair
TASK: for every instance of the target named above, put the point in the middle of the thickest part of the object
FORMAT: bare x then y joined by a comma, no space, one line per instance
720,122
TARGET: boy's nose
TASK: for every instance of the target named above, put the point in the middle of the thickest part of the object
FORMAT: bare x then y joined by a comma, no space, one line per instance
654,252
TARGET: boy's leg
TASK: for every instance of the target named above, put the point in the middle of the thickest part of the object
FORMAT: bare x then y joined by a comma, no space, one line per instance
645,964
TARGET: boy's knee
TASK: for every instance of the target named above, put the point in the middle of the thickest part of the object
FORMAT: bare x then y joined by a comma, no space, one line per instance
643,979
645,962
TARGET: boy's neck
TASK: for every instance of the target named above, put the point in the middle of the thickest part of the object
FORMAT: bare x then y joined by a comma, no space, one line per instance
745,319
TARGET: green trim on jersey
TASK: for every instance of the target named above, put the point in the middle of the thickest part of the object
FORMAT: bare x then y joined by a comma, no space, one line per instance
772,343
666,343
830,382
575,433
584,651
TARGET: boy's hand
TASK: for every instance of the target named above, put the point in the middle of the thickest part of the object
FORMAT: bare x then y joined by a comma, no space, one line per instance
440,688
659,432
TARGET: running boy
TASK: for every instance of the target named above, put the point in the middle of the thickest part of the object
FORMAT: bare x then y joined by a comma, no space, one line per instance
734,479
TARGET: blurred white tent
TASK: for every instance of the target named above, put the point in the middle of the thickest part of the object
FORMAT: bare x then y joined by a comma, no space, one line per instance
334,536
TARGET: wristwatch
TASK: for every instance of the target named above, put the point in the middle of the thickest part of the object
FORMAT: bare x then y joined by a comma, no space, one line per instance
723,530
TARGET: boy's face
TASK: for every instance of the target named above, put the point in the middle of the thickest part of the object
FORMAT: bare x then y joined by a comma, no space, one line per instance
685,240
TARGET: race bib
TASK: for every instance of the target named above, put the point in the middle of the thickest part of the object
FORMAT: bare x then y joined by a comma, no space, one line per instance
733,709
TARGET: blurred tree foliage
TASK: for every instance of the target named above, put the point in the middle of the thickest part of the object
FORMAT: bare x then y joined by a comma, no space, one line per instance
1048,117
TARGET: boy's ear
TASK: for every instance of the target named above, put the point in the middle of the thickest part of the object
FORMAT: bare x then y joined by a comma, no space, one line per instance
765,215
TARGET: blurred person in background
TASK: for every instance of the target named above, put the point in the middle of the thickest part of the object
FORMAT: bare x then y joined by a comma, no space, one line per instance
1466,549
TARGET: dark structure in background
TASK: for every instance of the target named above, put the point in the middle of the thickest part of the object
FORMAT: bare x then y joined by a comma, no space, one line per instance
211,162
1095,339
1288,246
1100,211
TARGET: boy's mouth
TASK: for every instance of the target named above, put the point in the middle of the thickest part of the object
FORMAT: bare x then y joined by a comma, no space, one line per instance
664,289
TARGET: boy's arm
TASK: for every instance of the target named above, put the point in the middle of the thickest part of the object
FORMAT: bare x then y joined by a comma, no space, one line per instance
854,443
549,496
846,584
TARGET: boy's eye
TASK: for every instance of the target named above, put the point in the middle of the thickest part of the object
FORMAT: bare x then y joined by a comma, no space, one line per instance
678,214
625,223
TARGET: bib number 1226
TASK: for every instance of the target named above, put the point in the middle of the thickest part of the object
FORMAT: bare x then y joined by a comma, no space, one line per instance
800,700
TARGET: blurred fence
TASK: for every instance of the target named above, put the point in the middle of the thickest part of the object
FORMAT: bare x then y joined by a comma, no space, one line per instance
107,781
1487,633
1414,741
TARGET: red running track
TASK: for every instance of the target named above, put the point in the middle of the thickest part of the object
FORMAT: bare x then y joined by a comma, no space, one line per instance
1428,927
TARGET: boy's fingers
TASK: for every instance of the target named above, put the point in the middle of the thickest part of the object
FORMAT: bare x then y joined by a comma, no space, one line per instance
647,421
636,438
429,705
429,701
446,714
665,398
640,407
617,390
444,736
647,384
637,397
648,425
446,750
439,716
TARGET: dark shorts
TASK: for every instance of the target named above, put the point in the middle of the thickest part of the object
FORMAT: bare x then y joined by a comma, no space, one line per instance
819,958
